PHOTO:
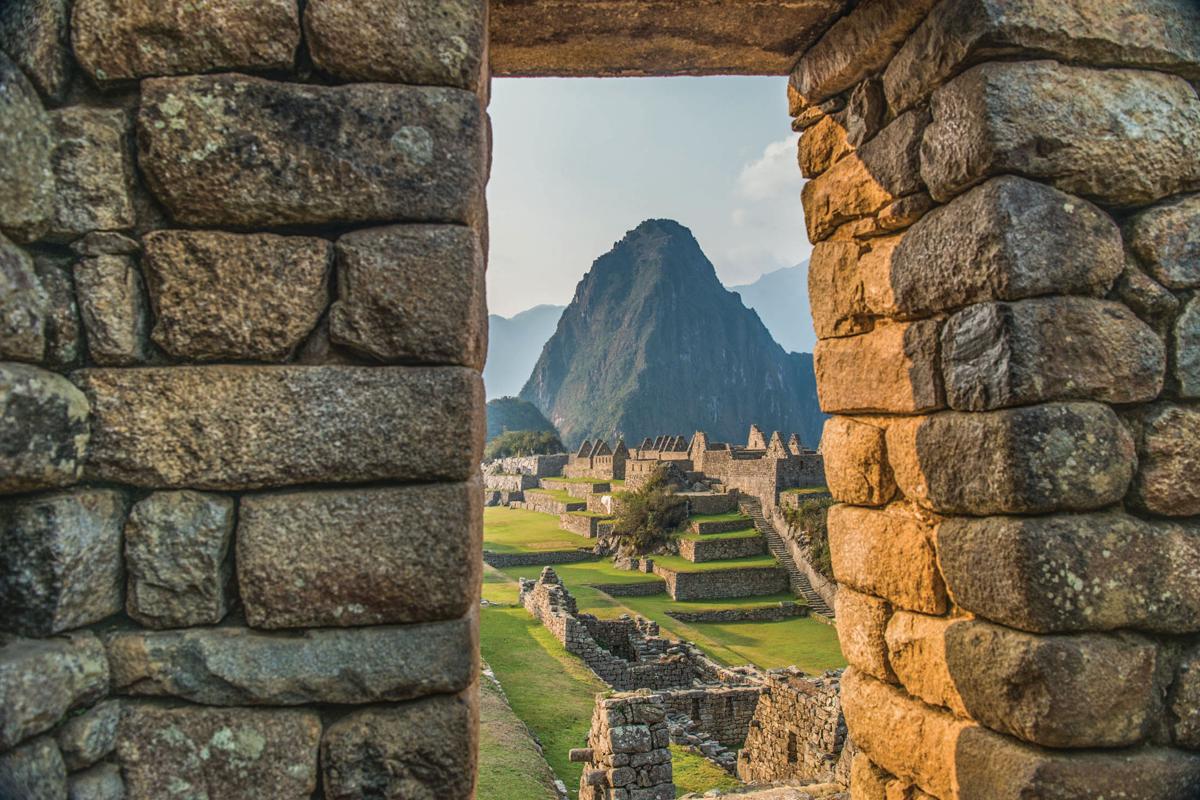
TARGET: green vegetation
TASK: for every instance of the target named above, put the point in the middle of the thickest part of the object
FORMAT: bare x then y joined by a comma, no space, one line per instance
810,516
648,516
522,443
807,490
557,494
514,530
514,414
749,533
695,773
510,765
678,564
590,514
729,516
580,481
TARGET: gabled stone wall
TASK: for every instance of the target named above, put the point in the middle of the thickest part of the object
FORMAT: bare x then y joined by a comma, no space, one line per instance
798,731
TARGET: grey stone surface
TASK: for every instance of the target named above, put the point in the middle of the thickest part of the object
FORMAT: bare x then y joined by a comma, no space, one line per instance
93,171
227,753
225,296
101,782
422,749
33,771
26,144
1153,304
1054,122
64,331
1166,239
106,243
36,35
112,304
1168,447
1186,349
412,293
1184,702
92,735
224,427
1029,460
1054,348
63,565
176,548
42,679
24,306
359,557
411,41
126,39
1074,572
44,430
238,666
1007,239
398,152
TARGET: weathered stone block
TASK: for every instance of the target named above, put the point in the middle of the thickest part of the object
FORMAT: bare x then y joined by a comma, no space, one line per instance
44,430
1184,701
64,336
850,285
26,144
33,771
225,427
1166,239
888,553
23,306
363,557
323,154
234,753
93,172
822,146
1168,448
112,303
35,34
42,679
412,293
62,566
893,369
89,737
960,33
176,545
867,781
122,40
861,622
421,749
1153,304
856,465
220,296
1054,348
1007,239
1054,122
101,782
1186,349
237,666
411,41
1030,460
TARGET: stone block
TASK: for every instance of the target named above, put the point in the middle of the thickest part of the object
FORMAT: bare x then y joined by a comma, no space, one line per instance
118,40
1007,239
44,429
1183,701
1166,240
850,284
42,679
1153,304
62,566
867,781
960,33
1053,122
33,771
92,735
1029,460
409,153
893,369
24,306
866,112
242,427
1054,348
176,545
1168,447
225,296
101,782
822,146
64,332
231,753
112,303
861,622
426,748
35,34
361,557
881,171
93,172
1056,574
106,243
238,666
857,46
412,41
1186,350
888,553
856,465
412,293
26,144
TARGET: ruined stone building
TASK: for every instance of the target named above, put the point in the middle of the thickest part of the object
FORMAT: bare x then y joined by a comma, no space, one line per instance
242,322
598,461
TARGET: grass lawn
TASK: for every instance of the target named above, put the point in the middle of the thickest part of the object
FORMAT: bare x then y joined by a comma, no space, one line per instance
677,564
510,765
749,533
579,480
514,530
695,773
593,514
557,494
807,490
728,516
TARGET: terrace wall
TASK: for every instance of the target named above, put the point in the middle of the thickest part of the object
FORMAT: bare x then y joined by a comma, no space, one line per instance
719,584
701,550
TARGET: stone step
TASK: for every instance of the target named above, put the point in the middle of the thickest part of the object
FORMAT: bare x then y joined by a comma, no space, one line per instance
800,584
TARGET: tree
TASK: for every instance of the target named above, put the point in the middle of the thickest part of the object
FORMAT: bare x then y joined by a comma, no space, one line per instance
647,517
523,443
809,517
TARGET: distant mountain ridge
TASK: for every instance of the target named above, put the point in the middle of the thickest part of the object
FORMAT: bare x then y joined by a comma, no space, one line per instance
514,344
781,300
653,343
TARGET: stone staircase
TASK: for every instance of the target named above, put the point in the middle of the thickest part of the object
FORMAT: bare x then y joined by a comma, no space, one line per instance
751,507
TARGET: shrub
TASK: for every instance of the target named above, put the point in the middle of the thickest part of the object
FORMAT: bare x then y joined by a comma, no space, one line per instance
523,443
810,518
647,517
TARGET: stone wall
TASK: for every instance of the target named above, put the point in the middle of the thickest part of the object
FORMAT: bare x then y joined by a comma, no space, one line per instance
798,731
711,503
784,610
800,549
241,416
503,560
723,583
549,504
628,751
537,466
723,713
585,524
518,482
1003,202
720,549
575,488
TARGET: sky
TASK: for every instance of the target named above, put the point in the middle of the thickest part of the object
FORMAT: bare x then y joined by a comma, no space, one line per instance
578,162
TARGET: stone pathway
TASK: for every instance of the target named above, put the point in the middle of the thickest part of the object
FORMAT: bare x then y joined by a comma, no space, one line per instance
801,586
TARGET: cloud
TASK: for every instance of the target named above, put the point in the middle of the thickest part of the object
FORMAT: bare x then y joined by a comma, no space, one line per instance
774,175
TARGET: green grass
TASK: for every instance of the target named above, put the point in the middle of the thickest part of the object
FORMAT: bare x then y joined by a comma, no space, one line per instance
514,530
695,773
592,514
807,490
728,516
749,533
579,480
678,564
557,494
510,764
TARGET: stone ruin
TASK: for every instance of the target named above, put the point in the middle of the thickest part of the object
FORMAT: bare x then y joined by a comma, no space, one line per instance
598,461
627,755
